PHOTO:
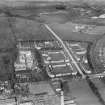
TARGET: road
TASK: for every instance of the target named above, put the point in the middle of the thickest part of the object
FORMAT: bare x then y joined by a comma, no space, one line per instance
67,31
71,59
80,90
29,29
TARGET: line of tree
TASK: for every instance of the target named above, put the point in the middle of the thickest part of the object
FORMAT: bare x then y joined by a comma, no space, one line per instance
95,91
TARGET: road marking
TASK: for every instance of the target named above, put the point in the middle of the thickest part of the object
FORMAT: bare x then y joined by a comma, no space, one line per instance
65,48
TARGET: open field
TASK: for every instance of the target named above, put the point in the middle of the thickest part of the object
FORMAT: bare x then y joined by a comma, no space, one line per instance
82,93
